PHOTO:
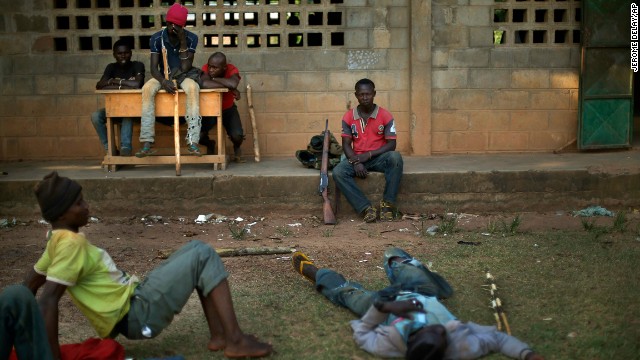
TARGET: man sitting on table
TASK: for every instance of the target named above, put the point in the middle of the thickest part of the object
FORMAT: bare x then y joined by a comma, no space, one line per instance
122,74
180,45
218,74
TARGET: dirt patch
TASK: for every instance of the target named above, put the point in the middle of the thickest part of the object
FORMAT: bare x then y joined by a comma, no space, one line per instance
137,243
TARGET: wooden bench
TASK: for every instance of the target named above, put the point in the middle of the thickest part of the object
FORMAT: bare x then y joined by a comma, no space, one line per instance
128,103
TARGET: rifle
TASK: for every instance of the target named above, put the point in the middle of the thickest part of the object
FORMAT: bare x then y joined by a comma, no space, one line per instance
327,211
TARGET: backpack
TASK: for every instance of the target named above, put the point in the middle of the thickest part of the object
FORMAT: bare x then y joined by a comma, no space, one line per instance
312,157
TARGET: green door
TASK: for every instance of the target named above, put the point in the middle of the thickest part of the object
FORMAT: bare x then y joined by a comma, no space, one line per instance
606,91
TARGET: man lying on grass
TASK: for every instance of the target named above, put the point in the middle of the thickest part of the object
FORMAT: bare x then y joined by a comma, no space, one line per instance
115,302
406,319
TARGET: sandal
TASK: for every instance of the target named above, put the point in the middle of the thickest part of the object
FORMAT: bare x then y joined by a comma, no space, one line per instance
370,214
194,150
298,261
386,211
145,151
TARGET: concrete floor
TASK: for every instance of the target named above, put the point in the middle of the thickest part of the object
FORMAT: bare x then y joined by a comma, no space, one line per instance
496,182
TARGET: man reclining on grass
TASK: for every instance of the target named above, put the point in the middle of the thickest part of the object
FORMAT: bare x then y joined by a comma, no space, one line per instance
115,302
406,319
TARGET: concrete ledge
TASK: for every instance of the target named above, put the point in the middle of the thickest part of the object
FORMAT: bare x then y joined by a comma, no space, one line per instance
478,184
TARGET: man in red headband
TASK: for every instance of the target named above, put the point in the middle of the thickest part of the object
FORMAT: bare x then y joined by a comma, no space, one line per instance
181,47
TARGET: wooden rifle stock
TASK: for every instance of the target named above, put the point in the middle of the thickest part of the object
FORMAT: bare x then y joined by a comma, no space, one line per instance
327,210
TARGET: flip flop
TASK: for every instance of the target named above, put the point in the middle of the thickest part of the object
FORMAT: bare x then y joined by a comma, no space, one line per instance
298,261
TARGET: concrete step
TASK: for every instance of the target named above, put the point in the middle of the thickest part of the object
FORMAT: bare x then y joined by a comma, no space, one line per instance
469,183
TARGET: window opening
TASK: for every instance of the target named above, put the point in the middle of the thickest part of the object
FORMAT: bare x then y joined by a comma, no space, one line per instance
230,40
334,18
209,19
253,40
315,18
125,21
62,23
82,22
85,43
211,40
295,40
273,40
273,18
105,43
105,22
147,21
231,19
60,44
314,39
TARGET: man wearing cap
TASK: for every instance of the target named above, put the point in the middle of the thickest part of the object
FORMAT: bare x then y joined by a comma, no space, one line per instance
180,45
115,302
406,319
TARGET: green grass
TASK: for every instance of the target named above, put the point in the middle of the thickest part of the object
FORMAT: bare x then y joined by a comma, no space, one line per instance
552,284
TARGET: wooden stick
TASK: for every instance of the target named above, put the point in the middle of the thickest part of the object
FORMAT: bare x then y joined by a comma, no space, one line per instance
254,251
496,304
176,117
165,253
256,146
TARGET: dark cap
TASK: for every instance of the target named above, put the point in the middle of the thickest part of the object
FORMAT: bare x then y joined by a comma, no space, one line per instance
55,195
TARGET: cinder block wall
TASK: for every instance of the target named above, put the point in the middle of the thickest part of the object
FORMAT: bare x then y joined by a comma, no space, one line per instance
435,64
54,52
517,95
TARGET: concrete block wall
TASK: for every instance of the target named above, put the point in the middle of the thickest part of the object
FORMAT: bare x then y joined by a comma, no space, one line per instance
48,93
509,97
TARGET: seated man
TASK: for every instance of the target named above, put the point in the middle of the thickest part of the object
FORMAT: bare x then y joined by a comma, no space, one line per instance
406,319
21,325
122,74
180,45
369,143
115,302
218,74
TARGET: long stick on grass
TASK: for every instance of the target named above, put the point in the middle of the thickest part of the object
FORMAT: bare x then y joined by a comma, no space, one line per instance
496,304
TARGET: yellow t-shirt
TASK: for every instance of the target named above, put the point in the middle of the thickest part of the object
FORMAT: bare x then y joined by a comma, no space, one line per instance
95,284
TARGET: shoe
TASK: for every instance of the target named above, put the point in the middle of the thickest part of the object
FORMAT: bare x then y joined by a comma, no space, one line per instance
125,152
298,261
145,151
237,156
387,211
370,214
194,150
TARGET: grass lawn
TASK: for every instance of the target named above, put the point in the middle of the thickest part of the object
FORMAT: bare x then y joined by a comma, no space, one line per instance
569,294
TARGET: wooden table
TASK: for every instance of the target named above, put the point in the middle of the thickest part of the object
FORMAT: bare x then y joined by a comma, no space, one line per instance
128,103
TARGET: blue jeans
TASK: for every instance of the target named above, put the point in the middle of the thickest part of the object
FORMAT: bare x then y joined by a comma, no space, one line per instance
166,289
99,120
192,112
389,163
21,325
408,275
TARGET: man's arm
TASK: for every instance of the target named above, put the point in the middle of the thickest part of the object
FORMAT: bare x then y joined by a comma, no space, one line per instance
156,74
230,83
49,300
34,281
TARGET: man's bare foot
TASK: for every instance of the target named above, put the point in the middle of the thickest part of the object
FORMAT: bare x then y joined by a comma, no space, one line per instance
248,346
216,344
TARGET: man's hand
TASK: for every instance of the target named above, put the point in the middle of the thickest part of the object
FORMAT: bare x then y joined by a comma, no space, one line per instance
236,94
360,170
169,87
402,308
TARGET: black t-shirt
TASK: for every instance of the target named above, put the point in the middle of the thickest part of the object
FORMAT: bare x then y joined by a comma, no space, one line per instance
128,72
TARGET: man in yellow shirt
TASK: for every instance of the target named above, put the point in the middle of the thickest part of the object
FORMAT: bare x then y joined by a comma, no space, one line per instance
115,302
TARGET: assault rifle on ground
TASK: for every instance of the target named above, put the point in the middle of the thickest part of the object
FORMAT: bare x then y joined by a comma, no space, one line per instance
327,211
